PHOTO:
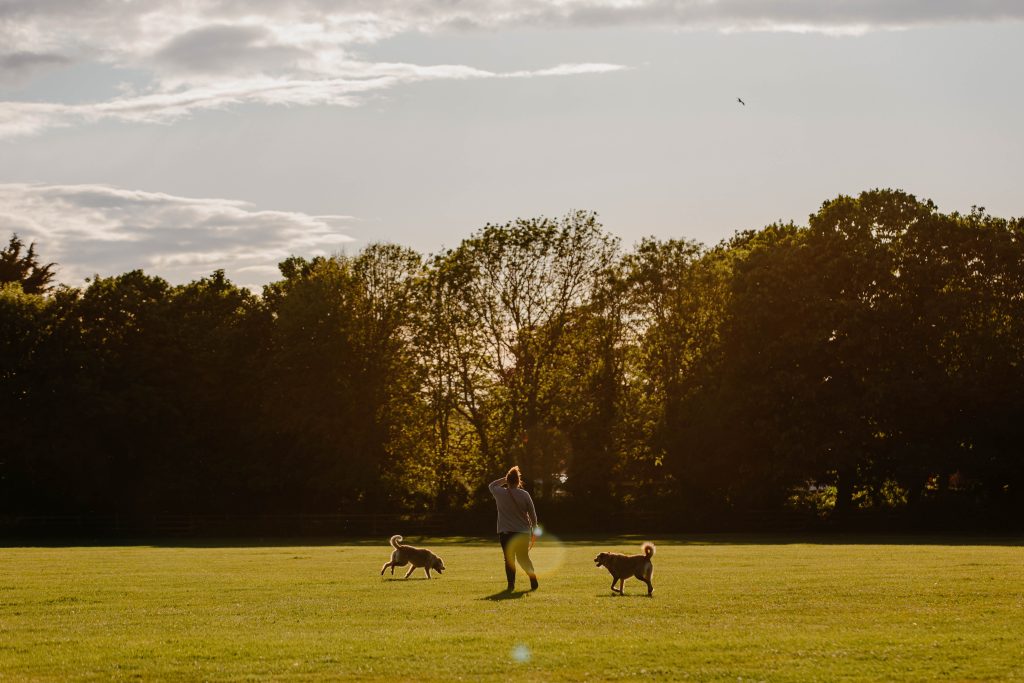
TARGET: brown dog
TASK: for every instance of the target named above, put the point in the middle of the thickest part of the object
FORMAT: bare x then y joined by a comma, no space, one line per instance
417,557
624,566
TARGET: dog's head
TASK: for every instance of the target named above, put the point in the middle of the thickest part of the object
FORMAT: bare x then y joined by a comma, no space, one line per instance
437,564
601,560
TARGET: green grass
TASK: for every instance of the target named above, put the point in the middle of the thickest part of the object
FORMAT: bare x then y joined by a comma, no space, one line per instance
723,609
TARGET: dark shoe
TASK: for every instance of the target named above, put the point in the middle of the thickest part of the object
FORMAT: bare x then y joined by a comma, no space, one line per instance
533,583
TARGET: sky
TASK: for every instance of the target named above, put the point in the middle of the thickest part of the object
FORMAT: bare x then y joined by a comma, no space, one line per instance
184,136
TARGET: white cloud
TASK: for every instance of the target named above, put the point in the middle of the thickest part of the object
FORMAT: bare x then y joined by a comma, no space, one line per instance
106,230
208,54
121,31
212,55
27,118
733,15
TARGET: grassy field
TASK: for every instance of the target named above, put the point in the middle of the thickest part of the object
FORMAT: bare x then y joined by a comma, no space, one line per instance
723,609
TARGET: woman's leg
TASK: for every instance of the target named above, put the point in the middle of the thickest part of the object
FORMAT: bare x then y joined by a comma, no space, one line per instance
522,550
510,563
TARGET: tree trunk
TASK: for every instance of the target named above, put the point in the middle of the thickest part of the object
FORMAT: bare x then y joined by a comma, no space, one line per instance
844,494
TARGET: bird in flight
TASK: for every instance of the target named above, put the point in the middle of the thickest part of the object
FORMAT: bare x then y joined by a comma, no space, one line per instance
741,101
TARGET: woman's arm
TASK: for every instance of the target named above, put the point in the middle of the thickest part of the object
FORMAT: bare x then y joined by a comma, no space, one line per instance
495,486
532,511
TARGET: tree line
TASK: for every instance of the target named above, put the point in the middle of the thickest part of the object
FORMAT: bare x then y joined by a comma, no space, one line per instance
871,361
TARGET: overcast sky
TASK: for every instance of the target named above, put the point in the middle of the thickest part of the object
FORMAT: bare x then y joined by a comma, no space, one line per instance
185,136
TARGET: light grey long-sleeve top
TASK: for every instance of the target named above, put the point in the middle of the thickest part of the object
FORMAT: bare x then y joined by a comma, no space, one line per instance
512,513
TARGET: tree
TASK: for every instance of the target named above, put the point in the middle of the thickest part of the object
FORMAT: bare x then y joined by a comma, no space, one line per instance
25,324
340,369
451,358
876,352
34,277
515,288
213,456
588,378
675,296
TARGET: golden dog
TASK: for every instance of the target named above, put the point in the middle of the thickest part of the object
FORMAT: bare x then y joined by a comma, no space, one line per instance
622,567
417,557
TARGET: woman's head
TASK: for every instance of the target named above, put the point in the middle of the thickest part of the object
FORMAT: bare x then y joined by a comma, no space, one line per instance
514,477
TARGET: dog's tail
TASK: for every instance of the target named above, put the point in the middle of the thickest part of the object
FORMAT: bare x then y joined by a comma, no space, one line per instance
395,540
648,549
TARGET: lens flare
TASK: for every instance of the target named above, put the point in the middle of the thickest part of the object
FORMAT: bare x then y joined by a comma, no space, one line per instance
521,653
548,553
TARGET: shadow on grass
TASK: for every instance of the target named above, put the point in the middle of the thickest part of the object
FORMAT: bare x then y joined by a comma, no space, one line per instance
645,596
505,595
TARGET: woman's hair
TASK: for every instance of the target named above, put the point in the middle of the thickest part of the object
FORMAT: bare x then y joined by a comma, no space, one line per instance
514,478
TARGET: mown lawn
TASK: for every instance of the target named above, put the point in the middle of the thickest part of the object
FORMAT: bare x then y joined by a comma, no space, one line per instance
723,609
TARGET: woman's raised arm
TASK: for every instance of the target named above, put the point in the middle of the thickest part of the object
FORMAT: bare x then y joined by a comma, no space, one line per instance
496,486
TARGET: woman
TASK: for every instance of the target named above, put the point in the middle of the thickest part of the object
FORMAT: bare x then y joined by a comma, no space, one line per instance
516,519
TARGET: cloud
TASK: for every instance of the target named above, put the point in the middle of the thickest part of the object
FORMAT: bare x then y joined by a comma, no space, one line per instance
230,49
27,118
97,229
827,16
16,67
214,54
131,31
209,54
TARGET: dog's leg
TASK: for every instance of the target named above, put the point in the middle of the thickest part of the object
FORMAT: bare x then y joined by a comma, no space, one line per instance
614,581
427,570
411,570
394,556
622,586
